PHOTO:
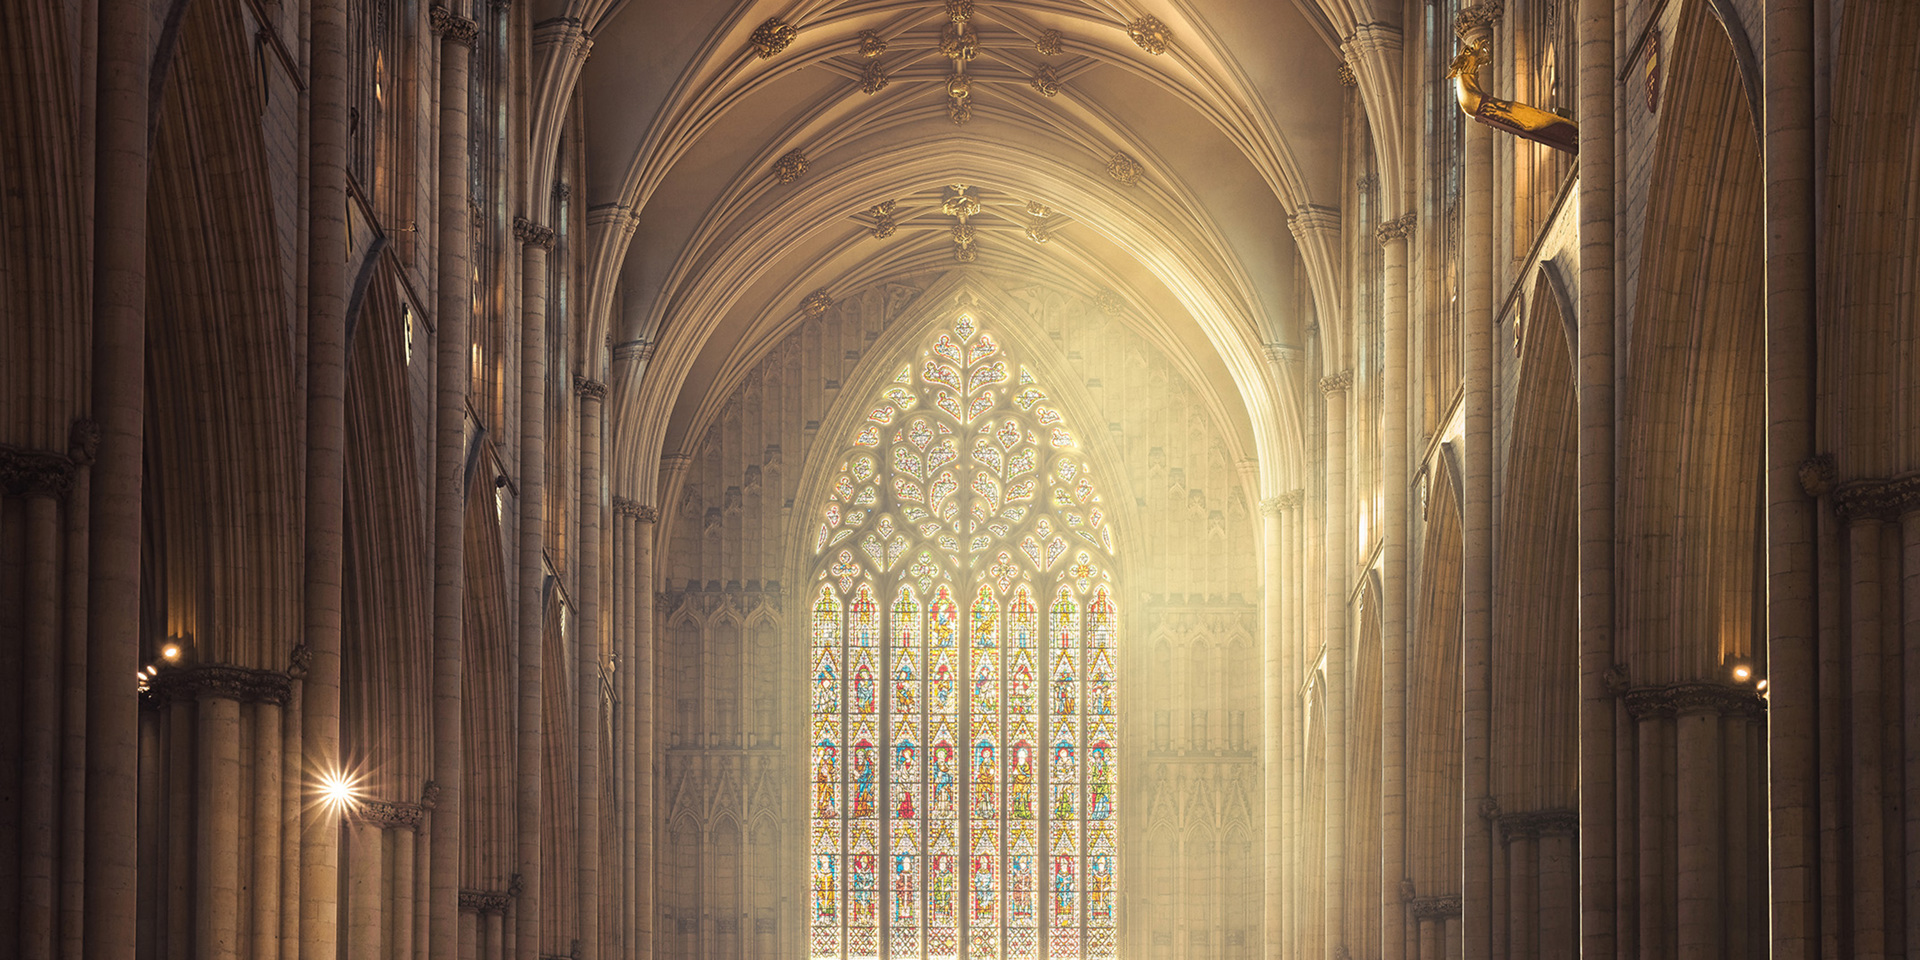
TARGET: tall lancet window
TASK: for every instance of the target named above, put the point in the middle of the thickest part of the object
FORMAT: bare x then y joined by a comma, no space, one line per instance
964,740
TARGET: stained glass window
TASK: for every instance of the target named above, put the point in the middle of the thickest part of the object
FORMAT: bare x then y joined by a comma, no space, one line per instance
963,667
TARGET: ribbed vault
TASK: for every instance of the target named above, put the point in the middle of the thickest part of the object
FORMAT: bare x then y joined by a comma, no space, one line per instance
1164,145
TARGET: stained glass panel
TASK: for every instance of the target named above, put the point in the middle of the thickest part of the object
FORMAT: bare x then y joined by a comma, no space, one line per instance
963,735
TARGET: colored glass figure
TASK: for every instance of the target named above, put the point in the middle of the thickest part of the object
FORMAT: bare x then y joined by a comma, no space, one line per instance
962,761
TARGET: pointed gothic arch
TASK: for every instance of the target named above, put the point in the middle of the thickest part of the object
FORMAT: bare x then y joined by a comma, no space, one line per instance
962,536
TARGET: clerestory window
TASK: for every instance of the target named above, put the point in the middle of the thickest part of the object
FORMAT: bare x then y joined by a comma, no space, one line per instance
963,623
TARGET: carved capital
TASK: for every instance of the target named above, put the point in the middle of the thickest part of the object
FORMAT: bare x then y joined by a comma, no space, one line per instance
1616,679
35,473
1489,809
1534,824
1337,383
485,901
1125,169
532,234
1399,228
1152,35
1816,475
1877,499
83,441
646,514
1434,908
220,682
589,389
1479,17
772,37
452,27
390,814
1682,699
623,507
1345,75
1272,507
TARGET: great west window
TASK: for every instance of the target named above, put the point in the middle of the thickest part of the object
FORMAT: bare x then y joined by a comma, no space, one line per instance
963,666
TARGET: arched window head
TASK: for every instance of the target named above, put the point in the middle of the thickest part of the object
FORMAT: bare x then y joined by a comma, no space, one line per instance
964,741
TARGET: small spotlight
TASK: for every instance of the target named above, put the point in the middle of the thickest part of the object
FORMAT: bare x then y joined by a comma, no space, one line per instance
1762,685
339,792
170,652
1742,672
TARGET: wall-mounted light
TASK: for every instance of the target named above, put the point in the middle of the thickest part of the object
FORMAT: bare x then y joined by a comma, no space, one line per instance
339,792
170,653
1740,670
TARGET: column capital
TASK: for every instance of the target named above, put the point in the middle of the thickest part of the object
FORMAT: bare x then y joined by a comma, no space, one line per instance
589,389
1689,698
1886,499
390,814
1397,229
1435,908
1480,18
452,27
219,682
532,234
1336,383
485,901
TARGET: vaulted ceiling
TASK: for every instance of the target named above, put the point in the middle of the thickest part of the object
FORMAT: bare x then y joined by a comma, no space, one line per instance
1178,154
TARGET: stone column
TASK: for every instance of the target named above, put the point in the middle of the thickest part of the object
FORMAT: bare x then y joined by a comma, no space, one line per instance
268,804
535,241
646,525
452,377
1700,818
1476,517
1594,381
1273,721
1788,149
122,96
326,471
592,394
1396,455
73,699
1865,735
1338,580
39,733
216,850
366,899
400,824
